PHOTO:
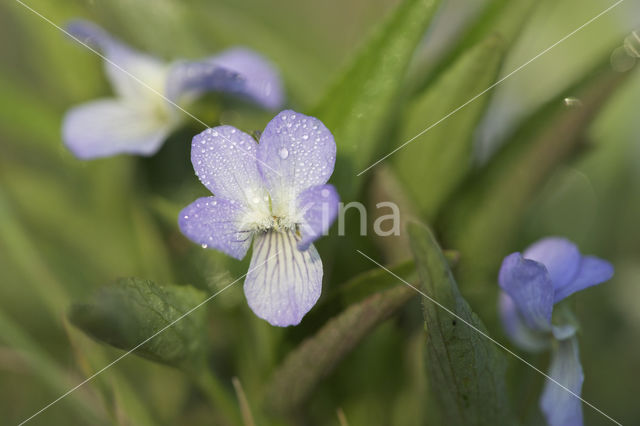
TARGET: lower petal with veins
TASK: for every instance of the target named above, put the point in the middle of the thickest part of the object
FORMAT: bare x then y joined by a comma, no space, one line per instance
283,283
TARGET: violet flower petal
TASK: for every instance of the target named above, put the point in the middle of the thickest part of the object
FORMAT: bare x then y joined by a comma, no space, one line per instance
295,152
528,284
592,271
263,84
107,127
559,255
143,66
283,283
515,327
192,78
319,205
216,223
559,406
224,160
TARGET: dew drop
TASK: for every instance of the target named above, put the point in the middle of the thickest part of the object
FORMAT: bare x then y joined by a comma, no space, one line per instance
283,153
572,102
324,192
204,245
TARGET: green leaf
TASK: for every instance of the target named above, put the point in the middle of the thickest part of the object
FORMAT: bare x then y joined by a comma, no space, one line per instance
442,154
376,280
465,369
320,354
367,284
357,107
160,323
482,221
504,17
384,187
130,311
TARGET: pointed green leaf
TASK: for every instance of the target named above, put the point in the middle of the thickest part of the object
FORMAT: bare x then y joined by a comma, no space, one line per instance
320,354
356,108
367,284
483,219
442,154
131,310
504,17
384,187
465,369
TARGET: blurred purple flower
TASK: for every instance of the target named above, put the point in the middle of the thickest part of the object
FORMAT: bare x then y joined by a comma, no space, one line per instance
549,271
275,193
137,120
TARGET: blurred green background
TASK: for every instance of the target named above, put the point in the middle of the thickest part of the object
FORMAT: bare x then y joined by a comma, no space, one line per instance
69,226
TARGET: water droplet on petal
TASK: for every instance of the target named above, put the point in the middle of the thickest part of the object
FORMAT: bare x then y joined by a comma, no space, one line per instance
283,153
204,245
324,192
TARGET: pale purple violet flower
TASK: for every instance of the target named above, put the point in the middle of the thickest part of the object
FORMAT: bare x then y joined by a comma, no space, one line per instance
549,271
139,118
273,193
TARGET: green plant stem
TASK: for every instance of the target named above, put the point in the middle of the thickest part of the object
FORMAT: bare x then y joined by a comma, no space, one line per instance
315,358
247,416
220,398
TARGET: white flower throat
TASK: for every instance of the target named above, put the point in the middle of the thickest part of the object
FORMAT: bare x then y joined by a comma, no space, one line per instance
263,214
